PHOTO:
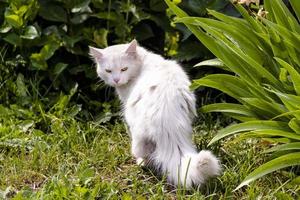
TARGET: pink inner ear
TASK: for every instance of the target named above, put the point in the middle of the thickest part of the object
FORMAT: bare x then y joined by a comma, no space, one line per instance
132,47
95,53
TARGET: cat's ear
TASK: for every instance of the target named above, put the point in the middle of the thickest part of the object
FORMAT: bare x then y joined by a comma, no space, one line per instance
132,47
95,53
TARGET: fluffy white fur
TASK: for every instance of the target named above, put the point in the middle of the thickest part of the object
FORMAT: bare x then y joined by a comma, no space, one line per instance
158,108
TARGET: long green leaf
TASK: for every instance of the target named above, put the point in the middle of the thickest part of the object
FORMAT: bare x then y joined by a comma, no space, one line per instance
241,63
281,14
229,108
206,40
275,133
285,147
239,117
254,23
287,160
250,126
228,84
242,39
289,100
296,7
289,113
264,108
215,62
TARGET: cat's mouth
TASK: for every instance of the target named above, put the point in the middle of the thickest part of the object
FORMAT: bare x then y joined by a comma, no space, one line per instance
123,84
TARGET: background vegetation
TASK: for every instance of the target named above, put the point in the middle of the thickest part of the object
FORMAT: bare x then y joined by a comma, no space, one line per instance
60,131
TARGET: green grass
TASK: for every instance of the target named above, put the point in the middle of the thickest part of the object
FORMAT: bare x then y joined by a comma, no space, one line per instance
85,160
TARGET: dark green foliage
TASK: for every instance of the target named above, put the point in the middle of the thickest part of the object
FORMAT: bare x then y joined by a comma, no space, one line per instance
45,44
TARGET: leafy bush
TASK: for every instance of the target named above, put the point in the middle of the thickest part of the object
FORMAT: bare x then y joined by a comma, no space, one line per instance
44,44
260,57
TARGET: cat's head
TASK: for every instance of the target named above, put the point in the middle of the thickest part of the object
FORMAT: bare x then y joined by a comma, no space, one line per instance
117,65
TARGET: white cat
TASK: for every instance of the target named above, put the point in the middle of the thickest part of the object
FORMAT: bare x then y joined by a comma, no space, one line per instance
158,108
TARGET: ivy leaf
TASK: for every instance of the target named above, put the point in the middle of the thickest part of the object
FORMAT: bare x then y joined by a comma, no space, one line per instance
59,68
158,5
14,20
52,12
30,33
38,60
100,37
5,28
13,39
81,6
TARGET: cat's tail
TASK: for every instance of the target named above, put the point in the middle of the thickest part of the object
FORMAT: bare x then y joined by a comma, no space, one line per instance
175,155
184,166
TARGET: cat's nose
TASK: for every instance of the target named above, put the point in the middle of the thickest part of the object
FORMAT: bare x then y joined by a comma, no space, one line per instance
116,80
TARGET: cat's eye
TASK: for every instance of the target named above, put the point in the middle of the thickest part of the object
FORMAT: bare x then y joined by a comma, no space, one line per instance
124,69
108,70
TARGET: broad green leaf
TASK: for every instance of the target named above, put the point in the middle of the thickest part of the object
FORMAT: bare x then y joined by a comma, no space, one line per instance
285,147
79,18
5,28
30,33
287,160
52,12
49,49
100,37
38,60
106,15
249,126
13,39
79,6
59,68
14,20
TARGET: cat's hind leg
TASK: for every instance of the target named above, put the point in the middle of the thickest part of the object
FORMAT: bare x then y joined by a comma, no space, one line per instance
141,148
